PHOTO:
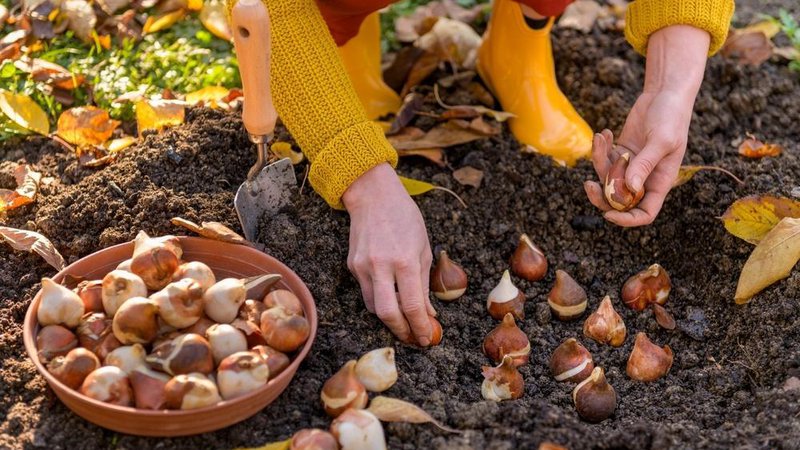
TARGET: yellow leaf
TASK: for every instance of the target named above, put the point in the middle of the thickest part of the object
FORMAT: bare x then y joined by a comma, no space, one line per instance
212,16
210,96
772,260
389,409
751,218
770,28
157,114
117,145
85,125
195,5
416,187
685,173
284,150
282,445
162,22
24,112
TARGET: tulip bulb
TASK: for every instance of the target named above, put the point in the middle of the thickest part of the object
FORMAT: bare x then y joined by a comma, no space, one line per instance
241,373
567,299
73,368
283,331
136,321
506,298
507,340
59,305
144,242
595,399
343,390
376,370
571,362
108,384
313,439
197,271
252,310
191,391
53,341
225,340
95,334
528,261
357,429
148,388
91,293
277,361
125,265
616,189
436,331
663,317
648,362
118,287
651,285
200,327
186,353
448,279
180,304
252,332
605,325
223,299
155,265
503,382
127,357
285,299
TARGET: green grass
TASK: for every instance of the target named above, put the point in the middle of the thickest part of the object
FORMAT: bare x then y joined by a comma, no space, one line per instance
790,28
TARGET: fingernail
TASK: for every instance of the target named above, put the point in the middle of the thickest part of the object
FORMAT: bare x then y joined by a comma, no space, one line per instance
636,183
424,342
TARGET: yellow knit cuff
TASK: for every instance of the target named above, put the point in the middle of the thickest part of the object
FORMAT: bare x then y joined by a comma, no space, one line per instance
346,157
645,17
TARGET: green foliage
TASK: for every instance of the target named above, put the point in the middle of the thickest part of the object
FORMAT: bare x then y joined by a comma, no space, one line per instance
790,27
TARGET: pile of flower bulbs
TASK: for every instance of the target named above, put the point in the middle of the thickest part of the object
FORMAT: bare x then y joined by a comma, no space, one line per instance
159,332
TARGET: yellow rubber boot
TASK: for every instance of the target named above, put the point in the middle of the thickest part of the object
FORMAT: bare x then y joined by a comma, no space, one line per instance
362,60
516,62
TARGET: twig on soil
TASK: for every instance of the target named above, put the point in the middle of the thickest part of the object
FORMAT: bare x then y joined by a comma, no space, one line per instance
460,200
305,177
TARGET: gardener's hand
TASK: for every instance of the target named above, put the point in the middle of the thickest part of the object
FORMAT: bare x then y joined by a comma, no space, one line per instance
389,247
657,126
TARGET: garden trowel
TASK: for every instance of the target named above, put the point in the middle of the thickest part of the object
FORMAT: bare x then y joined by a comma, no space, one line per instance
267,188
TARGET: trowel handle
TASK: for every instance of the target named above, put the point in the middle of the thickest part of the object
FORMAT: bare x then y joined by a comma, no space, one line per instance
251,34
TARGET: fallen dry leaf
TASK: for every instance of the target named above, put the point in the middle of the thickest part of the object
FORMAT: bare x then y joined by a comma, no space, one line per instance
158,114
754,148
389,409
411,104
86,125
212,16
211,230
284,150
751,218
81,18
417,187
3,13
469,110
435,155
210,96
581,15
686,173
453,41
282,445
442,135
31,241
158,23
24,112
469,176
422,68
769,27
120,144
748,47
771,260
27,186
112,6
409,28
50,72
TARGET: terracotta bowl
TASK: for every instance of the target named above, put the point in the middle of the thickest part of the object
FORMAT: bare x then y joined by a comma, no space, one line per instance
227,261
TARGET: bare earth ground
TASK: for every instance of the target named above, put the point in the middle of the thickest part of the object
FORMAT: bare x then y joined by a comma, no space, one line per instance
726,389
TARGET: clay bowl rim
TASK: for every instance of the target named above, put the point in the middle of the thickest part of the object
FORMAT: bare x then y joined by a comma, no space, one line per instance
31,328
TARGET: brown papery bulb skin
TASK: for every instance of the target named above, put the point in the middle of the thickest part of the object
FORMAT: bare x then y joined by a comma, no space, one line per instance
605,325
651,285
528,261
155,266
285,299
53,341
127,357
663,317
185,354
251,311
180,304
648,362
616,190
313,439
251,331
276,361
503,382
507,339
595,399
571,362
506,298
74,368
191,391
567,299
148,388
343,391
448,279
283,331
136,321
94,333
108,384
91,292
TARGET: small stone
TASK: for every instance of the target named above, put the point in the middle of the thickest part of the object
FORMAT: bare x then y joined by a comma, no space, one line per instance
792,384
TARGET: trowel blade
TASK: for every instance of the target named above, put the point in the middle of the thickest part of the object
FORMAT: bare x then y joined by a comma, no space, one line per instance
270,191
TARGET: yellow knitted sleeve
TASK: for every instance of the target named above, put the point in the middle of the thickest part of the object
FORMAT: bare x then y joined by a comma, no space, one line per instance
645,17
317,103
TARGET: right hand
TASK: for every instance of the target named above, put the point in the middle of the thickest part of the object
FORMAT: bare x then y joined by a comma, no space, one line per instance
389,246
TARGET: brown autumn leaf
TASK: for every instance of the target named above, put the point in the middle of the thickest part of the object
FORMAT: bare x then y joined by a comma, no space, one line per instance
159,114
500,116
389,409
469,176
411,104
663,317
754,148
80,17
581,15
112,6
748,47
50,72
453,41
442,135
686,173
27,186
435,155
751,218
86,125
772,260
422,68
211,230
31,241
409,28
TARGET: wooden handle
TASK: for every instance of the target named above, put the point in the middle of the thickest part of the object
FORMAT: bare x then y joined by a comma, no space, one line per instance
251,34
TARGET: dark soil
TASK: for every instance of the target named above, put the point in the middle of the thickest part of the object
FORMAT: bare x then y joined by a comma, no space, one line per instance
725,390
